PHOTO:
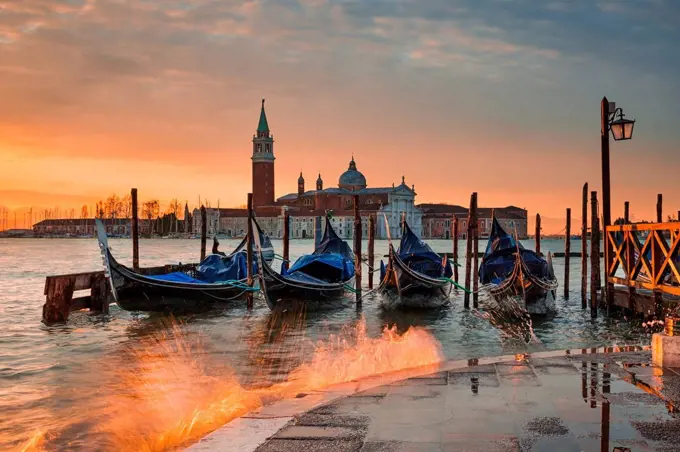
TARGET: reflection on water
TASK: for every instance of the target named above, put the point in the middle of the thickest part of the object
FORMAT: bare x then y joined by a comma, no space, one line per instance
54,380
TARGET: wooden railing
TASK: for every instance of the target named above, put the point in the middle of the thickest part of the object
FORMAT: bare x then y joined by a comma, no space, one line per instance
643,253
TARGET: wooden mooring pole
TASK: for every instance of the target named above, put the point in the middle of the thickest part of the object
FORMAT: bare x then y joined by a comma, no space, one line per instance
594,255
584,248
475,246
371,249
357,250
455,248
468,254
286,238
135,231
567,251
538,234
629,260
204,231
657,258
249,252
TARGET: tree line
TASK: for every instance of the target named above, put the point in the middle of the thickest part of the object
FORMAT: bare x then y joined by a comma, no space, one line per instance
163,223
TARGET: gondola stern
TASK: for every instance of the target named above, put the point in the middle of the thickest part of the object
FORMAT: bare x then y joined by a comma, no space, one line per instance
107,257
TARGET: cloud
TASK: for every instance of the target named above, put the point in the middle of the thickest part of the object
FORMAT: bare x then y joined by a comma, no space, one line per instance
168,81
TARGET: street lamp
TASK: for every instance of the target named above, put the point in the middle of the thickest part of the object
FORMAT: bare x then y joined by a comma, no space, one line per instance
622,129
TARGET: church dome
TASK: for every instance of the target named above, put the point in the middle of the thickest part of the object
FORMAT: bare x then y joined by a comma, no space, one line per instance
352,179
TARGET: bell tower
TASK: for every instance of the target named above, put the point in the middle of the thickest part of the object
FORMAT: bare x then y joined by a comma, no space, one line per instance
263,163
301,185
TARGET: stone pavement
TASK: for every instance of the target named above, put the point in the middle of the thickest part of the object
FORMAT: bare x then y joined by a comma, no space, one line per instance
564,401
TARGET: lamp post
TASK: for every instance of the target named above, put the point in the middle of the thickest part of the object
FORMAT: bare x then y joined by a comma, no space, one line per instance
622,129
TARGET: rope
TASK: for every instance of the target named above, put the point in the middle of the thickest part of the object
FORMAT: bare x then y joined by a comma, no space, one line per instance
444,278
349,288
281,258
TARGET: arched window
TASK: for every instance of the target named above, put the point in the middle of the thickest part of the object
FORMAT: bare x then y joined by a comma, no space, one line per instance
266,147
259,147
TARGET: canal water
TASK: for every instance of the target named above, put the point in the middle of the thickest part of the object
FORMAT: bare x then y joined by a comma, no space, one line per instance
134,381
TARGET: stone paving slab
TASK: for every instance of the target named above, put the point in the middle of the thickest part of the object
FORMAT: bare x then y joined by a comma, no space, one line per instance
578,400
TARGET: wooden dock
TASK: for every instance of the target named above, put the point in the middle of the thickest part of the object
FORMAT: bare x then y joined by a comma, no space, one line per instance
59,291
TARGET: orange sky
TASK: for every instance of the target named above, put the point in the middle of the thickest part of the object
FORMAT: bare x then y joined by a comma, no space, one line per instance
102,96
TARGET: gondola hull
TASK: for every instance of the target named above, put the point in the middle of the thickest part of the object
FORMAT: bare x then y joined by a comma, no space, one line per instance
135,292
537,295
401,286
281,292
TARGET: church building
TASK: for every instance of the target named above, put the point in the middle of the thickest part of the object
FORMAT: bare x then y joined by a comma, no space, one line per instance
386,203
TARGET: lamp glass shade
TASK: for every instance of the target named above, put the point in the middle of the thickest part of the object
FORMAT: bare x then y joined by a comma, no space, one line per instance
622,129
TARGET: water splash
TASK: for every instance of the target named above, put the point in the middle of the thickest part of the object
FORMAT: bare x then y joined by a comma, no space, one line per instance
509,316
177,393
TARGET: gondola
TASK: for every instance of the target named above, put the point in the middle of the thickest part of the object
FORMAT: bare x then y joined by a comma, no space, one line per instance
510,270
415,276
317,280
188,288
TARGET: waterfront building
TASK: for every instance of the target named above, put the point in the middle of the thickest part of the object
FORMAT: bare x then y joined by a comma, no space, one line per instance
437,220
87,227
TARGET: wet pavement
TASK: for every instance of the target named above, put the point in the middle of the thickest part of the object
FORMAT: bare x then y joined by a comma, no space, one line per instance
566,402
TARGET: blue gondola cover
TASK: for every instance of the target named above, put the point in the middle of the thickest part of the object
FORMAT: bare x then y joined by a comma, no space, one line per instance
331,262
499,259
420,257
215,268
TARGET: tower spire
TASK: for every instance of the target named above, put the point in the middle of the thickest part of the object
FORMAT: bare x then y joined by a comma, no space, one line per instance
263,126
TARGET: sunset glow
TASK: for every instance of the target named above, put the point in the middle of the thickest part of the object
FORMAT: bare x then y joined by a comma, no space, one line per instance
496,97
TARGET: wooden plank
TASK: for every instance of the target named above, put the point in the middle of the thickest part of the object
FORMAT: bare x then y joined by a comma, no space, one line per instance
671,290
675,226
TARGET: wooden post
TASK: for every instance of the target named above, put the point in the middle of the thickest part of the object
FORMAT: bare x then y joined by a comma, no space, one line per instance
357,249
594,255
204,231
57,306
567,251
538,234
455,248
630,256
286,239
584,248
317,231
475,246
606,188
134,232
99,294
249,252
468,254
371,249
659,208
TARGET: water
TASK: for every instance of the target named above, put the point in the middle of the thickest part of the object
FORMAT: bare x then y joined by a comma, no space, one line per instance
52,377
